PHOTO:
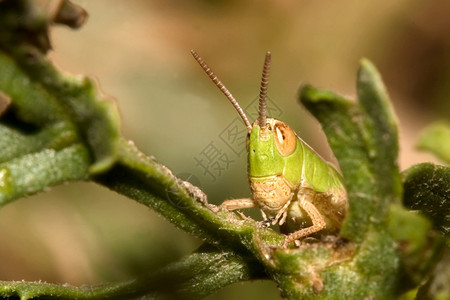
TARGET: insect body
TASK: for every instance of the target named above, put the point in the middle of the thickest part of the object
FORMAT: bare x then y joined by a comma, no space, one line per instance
291,184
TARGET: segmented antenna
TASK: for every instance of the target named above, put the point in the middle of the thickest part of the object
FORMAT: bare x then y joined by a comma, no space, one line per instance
222,88
262,109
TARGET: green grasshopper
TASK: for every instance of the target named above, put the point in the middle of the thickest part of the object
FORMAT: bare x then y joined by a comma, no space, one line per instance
291,184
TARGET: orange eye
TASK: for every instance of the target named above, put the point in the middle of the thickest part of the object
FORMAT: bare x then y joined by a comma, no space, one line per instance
285,139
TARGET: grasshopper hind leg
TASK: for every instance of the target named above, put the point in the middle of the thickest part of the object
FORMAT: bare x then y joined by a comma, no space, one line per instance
317,219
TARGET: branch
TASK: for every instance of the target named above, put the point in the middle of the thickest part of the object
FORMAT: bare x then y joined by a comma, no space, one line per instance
141,178
193,277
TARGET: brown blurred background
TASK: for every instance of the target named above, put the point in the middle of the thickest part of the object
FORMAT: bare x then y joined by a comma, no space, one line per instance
139,53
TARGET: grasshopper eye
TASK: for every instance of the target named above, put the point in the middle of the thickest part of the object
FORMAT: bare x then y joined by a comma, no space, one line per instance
285,139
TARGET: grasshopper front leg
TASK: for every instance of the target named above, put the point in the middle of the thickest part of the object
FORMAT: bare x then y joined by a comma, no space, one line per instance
245,203
241,203
304,198
238,204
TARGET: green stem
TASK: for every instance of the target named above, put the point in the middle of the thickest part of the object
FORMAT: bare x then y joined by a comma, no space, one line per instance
193,277
152,184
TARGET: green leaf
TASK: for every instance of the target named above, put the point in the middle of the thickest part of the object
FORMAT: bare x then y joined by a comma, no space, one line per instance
363,137
338,119
56,128
42,97
436,139
427,188
34,172
419,247
426,191
438,284
339,270
380,134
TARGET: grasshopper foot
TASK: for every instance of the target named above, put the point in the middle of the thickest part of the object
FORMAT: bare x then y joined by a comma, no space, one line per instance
268,222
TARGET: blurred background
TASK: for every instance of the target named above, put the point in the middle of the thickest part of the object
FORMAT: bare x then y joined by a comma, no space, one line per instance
139,53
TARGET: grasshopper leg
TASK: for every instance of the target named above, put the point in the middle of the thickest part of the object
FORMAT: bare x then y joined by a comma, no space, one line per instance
318,222
246,203
238,204
282,214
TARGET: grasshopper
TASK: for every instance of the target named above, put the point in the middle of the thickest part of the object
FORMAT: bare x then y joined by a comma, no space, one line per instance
290,183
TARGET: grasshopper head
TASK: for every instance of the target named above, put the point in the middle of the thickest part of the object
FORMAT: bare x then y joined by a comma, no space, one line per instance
268,147
272,145
269,141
